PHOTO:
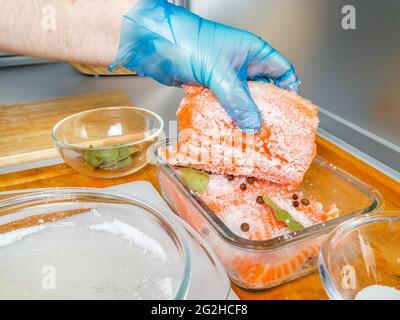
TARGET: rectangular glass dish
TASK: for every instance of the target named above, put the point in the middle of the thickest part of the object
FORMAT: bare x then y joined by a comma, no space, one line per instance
260,265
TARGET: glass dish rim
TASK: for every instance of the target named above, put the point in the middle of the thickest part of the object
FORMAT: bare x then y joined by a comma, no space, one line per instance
18,197
278,242
68,146
341,231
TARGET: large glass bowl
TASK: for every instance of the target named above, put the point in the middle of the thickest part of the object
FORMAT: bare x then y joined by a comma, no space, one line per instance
93,244
268,260
363,252
107,142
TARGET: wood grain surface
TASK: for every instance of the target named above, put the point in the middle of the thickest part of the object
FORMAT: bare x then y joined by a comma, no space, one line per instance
101,71
309,287
25,127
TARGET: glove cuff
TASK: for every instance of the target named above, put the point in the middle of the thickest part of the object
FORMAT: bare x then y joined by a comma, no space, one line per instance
149,19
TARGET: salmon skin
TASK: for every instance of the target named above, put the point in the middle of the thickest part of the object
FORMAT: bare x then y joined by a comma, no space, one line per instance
281,152
253,273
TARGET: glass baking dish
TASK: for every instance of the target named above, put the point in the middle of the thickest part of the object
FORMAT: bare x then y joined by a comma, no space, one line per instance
260,265
91,244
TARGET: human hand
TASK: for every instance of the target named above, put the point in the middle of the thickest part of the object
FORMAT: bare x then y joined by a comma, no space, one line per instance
176,47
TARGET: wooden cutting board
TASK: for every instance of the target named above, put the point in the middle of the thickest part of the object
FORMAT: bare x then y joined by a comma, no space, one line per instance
101,71
26,127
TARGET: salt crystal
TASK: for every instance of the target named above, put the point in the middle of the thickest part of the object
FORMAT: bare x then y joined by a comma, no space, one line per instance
378,293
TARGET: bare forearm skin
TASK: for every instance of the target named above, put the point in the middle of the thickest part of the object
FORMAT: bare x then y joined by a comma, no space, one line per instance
85,31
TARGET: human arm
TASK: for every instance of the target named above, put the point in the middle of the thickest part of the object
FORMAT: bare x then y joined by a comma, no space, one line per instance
158,39
85,31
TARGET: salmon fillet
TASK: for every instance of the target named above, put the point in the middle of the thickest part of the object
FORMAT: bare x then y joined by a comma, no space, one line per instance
276,159
281,152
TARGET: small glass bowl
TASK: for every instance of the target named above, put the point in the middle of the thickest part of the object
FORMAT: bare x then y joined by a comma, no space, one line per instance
107,142
363,252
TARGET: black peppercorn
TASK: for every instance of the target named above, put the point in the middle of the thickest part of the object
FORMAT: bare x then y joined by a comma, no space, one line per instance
251,180
296,204
243,187
231,177
245,227
305,201
260,200
295,196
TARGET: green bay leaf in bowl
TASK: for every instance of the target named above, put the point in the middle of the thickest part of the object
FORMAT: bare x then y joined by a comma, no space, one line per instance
195,179
283,216
117,157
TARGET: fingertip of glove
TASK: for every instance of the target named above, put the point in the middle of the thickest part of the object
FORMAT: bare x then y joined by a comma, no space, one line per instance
293,86
262,80
249,122
112,67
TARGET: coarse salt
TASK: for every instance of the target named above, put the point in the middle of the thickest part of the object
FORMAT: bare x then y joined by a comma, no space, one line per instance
133,235
167,287
235,207
16,235
378,293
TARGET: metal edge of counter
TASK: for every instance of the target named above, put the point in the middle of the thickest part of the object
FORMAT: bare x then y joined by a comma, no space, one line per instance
388,171
361,143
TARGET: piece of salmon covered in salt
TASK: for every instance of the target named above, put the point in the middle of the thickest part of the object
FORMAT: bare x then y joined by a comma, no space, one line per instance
251,219
281,152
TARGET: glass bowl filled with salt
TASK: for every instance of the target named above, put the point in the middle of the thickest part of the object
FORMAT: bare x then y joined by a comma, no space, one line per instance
360,260
90,244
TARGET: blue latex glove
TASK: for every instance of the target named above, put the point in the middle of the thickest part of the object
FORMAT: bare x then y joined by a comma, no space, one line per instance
175,47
